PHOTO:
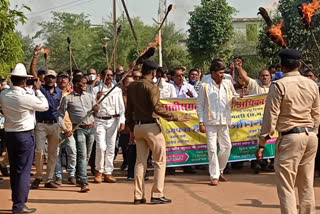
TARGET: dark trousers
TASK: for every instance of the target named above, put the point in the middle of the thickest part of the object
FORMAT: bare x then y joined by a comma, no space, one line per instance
124,144
21,147
132,155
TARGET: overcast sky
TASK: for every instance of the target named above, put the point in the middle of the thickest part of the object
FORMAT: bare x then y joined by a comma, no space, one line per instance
99,10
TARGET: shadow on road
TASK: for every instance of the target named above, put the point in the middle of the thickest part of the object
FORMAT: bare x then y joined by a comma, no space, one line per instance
5,184
67,201
5,211
214,206
259,204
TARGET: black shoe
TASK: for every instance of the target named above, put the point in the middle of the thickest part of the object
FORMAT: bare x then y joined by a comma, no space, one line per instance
189,170
84,188
170,171
1,180
140,201
123,167
257,169
26,210
51,185
58,181
72,180
35,183
4,171
162,200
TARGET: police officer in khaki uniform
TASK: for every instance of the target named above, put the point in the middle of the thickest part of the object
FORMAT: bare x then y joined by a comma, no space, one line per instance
143,110
292,109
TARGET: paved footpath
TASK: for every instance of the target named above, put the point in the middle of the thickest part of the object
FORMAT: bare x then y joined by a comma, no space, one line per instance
245,193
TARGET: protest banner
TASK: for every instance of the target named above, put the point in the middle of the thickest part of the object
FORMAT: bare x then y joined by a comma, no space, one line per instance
187,146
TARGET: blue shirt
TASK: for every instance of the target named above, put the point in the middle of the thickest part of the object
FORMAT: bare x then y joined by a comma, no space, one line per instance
54,99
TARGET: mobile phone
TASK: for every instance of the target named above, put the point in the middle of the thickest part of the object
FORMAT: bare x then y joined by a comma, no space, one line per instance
31,81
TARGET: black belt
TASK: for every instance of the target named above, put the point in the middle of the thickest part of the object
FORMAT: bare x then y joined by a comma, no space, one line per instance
85,126
296,130
108,118
47,121
145,121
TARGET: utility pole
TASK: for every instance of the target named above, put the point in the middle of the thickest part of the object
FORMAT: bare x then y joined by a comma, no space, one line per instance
114,35
161,12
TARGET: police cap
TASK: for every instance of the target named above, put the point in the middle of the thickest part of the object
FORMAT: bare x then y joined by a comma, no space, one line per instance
290,54
148,64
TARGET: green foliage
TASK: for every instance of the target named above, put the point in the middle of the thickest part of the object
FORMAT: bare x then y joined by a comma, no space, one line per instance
253,63
87,42
10,45
252,32
173,53
27,47
210,32
296,35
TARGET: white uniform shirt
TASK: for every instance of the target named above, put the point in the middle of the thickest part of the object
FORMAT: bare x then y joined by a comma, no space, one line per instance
18,107
167,90
214,103
112,104
182,92
255,87
207,77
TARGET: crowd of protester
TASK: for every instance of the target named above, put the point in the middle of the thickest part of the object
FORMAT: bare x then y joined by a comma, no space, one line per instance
70,94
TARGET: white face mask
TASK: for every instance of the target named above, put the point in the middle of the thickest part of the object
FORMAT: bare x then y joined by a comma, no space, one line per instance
155,79
92,77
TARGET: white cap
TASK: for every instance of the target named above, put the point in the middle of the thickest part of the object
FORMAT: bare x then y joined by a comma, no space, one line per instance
20,71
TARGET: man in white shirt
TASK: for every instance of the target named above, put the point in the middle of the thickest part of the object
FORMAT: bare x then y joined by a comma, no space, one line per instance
109,119
255,86
167,90
214,113
18,108
183,89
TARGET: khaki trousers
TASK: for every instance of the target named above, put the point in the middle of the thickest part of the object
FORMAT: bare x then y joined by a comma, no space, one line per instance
294,166
45,132
149,136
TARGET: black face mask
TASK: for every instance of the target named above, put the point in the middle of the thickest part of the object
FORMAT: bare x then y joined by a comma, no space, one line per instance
192,82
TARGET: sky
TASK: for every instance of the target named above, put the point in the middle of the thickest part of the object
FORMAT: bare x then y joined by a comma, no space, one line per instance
99,10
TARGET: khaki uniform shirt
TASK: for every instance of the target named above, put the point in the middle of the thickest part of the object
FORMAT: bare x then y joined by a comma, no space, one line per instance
256,87
293,101
143,103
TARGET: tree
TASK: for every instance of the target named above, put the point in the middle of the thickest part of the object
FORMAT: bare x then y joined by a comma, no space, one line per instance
253,63
173,52
27,47
88,40
10,45
210,32
296,35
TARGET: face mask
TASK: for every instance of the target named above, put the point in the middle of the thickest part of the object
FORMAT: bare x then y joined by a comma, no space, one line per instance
155,79
3,83
192,82
92,77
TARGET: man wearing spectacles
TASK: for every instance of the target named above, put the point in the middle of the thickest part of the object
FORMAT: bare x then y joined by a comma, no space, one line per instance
109,119
136,75
183,89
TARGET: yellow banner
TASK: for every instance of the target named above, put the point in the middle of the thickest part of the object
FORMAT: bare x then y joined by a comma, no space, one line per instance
187,146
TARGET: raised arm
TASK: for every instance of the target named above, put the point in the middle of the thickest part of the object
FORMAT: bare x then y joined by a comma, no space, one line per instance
242,73
33,65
